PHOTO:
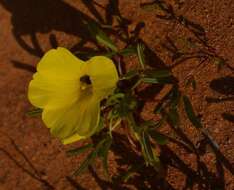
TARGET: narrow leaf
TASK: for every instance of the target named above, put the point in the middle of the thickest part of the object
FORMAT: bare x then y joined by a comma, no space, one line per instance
157,80
150,156
141,55
158,73
159,138
157,76
84,165
132,170
190,112
101,36
128,51
100,124
158,108
149,123
173,117
34,112
130,74
115,99
80,150
103,153
150,80
175,97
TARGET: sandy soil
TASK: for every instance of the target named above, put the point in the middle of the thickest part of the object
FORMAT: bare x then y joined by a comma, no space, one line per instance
30,159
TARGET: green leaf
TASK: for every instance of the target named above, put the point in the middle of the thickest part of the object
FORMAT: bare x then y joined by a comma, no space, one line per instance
157,76
123,107
148,152
100,36
109,54
128,51
141,55
164,101
190,113
34,112
91,157
149,123
175,97
159,138
131,172
103,153
159,108
130,74
150,80
112,114
153,73
173,117
84,165
147,148
80,150
156,80
115,98
100,125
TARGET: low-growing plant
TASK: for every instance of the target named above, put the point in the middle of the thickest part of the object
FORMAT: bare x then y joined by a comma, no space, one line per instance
95,98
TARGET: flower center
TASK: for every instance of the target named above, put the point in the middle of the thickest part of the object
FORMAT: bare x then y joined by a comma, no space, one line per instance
85,82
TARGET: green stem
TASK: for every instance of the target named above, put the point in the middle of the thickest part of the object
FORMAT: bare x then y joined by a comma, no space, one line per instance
133,125
112,127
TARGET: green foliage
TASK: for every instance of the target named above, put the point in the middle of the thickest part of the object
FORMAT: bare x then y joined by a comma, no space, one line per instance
190,112
86,163
130,74
123,106
131,50
80,150
100,150
103,153
158,138
141,55
34,112
153,76
130,173
147,150
101,36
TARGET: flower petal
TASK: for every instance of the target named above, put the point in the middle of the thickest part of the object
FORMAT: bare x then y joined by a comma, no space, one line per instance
60,63
72,139
103,75
57,79
72,122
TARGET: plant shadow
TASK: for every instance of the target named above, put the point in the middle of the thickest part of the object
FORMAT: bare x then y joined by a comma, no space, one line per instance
144,177
29,169
43,16
224,86
29,18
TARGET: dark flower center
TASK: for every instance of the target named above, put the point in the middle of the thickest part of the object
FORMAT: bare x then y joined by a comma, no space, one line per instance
85,79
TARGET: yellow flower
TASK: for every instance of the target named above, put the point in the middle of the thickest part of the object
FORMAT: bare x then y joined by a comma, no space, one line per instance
69,91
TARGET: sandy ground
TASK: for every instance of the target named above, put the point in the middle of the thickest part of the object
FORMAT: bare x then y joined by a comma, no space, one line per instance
30,159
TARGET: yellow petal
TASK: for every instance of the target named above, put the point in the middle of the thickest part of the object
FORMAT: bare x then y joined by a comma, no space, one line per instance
103,75
71,108
57,79
60,63
72,139
80,119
